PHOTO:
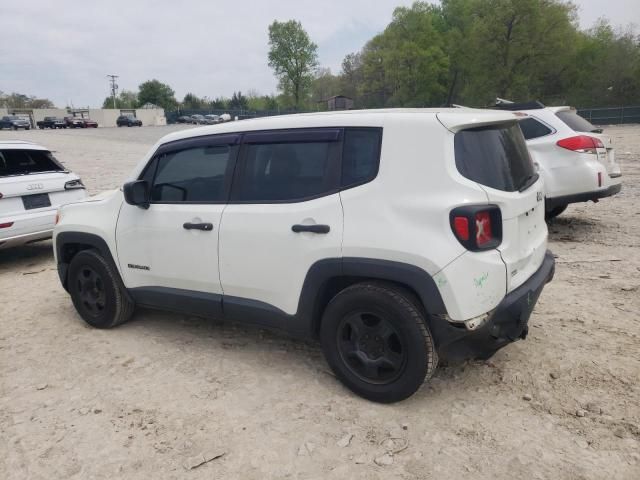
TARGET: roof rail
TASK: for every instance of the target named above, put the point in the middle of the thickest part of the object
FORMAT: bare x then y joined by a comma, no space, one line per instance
503,104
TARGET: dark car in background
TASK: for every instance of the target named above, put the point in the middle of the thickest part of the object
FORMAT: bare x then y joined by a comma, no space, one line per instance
184,119
199,120
128,121
74,122
51,122
14,123
88,123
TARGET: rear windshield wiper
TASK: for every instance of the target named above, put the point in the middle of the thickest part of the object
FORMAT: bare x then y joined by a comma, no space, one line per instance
530,180
597,130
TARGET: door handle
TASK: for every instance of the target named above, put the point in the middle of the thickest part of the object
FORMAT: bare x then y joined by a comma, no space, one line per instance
311,228
207,227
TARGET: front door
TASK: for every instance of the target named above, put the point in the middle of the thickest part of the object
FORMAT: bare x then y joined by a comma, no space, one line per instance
168,253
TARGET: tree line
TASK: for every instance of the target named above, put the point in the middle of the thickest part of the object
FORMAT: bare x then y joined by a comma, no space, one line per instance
458,52
472,51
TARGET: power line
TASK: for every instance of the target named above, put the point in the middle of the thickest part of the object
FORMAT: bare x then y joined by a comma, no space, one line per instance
114,88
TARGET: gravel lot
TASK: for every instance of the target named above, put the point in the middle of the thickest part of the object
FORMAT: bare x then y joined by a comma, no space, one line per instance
150,398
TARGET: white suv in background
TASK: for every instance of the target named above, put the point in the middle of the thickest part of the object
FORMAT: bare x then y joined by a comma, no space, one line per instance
33,184
395,237
576,160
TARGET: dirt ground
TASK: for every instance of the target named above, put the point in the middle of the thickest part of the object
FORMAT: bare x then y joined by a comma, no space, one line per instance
163,393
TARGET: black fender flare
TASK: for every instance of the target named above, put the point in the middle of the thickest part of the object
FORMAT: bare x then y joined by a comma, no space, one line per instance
86,241
323,272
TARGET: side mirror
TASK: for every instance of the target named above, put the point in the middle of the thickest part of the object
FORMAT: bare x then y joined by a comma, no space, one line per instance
137,193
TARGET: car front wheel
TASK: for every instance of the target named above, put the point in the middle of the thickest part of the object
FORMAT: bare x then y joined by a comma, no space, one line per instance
376,339
97,291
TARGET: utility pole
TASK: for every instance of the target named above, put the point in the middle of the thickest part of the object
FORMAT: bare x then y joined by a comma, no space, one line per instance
114,88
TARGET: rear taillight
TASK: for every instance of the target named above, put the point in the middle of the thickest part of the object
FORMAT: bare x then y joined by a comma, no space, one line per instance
581,144
477,227
73,184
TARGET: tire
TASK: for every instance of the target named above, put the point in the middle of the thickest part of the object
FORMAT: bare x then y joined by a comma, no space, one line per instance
15,129
554,212
97,291
376,340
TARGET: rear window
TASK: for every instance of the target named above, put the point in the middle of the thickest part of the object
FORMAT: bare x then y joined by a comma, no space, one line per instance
495,156
576,122
285,172
532,128
23,162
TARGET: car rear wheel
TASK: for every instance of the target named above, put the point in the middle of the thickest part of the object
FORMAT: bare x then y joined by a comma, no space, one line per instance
97,291
376,339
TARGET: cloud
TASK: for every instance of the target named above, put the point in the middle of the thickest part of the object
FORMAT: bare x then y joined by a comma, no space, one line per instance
64,50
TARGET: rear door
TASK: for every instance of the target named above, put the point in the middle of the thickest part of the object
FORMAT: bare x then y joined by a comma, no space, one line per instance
284,215
496,157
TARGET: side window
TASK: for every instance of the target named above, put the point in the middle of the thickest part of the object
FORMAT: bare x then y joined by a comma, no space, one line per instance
360,155
285,171
190,175
532,128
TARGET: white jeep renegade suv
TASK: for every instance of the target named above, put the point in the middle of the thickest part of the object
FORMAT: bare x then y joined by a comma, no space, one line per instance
396,237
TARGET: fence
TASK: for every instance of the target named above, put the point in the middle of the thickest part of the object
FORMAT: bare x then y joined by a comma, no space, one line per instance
611,115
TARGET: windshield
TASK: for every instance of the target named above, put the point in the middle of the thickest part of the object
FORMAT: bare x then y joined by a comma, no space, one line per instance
495,156
576,122
24,162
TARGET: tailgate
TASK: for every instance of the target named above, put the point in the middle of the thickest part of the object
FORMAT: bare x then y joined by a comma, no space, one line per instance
496,157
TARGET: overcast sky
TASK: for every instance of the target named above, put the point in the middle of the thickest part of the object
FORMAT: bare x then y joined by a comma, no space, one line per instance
63,50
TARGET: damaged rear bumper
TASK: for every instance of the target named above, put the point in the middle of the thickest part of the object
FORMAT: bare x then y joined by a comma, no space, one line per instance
506,324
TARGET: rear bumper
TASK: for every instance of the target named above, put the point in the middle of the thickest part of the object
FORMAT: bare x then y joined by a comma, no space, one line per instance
594,196
506,324
26,238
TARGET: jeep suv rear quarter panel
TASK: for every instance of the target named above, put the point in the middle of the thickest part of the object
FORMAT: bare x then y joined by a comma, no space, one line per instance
416,187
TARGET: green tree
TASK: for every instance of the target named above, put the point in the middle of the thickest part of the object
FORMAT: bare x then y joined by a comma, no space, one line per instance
324,85
157,93
20,100
125,99
192,102
406,65
238,102
293,57
219,103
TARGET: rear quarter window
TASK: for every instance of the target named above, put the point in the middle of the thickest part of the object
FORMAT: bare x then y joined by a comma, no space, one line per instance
532,128
495,156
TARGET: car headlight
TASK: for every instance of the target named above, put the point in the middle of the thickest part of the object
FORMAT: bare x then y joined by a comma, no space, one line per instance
73,184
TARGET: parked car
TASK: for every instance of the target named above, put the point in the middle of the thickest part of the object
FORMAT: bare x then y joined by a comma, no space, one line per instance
51,122
213,119
88,123
128,121
33,184
74,122
576,160
14,123
448,265
184,119
198,120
